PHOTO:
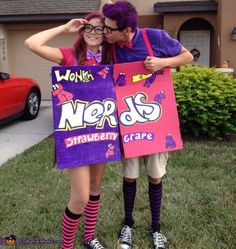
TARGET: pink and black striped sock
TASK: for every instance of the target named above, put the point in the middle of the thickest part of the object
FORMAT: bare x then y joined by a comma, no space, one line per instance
70,224
91,214
155,197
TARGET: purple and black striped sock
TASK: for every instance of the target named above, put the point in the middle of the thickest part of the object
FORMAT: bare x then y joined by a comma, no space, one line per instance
155,198
70,224
129,192
91,213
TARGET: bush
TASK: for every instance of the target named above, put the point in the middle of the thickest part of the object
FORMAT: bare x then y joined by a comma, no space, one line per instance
206,101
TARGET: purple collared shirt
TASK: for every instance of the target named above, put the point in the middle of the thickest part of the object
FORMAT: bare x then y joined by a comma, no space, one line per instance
162,45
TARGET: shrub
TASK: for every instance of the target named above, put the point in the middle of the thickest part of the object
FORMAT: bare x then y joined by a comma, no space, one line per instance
206,101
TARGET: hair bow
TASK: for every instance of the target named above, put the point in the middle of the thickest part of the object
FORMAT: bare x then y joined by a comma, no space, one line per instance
128,44
97,57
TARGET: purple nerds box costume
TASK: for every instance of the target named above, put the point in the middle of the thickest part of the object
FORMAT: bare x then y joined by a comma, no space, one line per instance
85,115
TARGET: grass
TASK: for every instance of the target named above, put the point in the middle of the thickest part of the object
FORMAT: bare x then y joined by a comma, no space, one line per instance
198,210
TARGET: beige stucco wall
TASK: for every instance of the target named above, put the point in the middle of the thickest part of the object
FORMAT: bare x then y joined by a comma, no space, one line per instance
221,45
102,2
181,0
22,62
143,7
173,22
146,7
147,16
226,23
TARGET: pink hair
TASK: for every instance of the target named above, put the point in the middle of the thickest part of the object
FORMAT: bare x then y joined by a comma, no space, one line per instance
80,45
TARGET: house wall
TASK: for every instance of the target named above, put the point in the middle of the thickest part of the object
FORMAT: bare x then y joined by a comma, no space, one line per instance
226,23
147,16
173,22
143,7
223,22
16,59
181,0
22,62
102,2
152,21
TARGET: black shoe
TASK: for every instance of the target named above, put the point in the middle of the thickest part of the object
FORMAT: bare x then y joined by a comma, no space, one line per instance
125,237
160,241
93,244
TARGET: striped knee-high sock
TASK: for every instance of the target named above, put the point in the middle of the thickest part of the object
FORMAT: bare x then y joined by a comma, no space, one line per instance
70,224
155,197
91,214
129,192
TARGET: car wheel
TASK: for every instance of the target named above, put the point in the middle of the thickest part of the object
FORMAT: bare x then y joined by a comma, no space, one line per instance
32,105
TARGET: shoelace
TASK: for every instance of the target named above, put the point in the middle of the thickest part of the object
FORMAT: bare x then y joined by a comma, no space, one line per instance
95,244
159,240
125,234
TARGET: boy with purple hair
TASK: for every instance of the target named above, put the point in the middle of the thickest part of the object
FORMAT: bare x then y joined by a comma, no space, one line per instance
132,44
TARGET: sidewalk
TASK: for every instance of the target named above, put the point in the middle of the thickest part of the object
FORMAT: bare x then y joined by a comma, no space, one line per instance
19,135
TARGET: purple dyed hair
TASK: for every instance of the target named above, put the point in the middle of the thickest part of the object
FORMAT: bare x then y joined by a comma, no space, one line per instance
124,13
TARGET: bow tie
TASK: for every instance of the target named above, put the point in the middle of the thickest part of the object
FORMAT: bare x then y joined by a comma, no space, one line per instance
97,57
128,44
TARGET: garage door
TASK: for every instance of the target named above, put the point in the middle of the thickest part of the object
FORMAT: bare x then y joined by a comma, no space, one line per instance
23,62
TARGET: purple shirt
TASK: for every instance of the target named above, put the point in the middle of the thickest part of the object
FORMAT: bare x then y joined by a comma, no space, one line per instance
162,45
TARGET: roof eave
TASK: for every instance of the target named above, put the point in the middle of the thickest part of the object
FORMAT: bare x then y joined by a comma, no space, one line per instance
8,19
183,6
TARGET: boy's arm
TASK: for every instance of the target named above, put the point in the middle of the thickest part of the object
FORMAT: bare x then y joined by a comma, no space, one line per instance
155,63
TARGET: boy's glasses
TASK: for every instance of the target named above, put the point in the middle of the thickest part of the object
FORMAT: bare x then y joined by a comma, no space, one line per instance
88,28
108,30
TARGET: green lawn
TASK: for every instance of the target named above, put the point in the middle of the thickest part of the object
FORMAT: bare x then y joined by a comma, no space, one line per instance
198,212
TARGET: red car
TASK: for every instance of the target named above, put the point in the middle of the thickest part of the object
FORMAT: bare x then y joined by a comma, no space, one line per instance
19,97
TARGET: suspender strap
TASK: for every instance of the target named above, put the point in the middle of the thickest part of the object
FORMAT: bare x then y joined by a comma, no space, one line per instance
114,53
147,43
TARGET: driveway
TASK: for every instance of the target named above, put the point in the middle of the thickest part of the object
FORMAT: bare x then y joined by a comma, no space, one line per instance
19,135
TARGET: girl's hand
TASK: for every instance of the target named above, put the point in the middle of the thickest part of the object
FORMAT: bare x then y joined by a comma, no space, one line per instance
75,25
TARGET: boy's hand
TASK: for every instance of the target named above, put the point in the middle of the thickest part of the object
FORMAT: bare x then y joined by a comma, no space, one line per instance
155,63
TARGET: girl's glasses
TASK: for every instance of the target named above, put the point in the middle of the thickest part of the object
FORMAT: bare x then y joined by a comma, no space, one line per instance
97,29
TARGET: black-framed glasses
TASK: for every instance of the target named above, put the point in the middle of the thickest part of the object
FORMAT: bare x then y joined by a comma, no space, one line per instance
88,28
109,30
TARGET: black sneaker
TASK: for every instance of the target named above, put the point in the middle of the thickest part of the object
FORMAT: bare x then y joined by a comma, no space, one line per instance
125,237
93,244
160,241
